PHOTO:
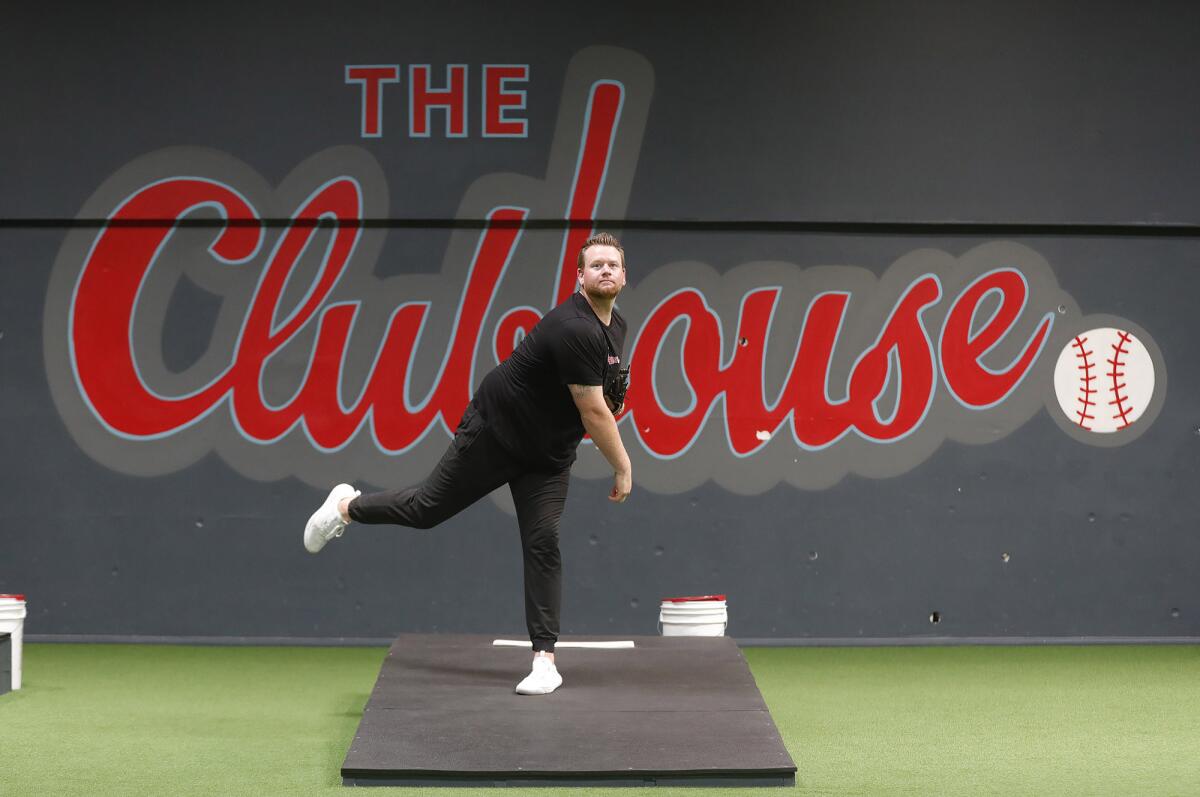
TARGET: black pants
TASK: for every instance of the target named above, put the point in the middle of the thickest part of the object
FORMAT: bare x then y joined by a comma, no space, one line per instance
473,466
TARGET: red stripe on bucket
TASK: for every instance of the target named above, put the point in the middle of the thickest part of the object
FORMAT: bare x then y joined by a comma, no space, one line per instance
695,598
14,597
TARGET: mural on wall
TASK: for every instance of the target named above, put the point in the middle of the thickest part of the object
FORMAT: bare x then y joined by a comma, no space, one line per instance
769,372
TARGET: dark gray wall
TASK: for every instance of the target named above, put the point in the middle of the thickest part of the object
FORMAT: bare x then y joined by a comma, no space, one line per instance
1005,111
1005,522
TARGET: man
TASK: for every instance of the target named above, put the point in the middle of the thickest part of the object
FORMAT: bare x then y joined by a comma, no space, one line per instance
522,429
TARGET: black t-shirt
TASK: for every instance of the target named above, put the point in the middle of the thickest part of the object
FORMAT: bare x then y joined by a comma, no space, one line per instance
525,400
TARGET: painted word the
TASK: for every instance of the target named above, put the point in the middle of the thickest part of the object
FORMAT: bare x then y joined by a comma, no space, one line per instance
500,101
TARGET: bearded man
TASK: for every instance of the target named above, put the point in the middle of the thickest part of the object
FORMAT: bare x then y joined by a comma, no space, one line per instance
522,428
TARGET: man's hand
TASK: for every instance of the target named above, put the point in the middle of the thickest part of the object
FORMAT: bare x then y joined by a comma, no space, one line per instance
622,485
597,415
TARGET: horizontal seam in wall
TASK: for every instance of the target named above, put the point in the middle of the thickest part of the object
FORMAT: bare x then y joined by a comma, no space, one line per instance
1156,230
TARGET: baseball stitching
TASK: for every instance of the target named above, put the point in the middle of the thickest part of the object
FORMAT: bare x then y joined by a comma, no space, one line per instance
1116,373
1085,382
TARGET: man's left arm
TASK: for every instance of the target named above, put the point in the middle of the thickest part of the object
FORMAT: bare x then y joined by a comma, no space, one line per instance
599,422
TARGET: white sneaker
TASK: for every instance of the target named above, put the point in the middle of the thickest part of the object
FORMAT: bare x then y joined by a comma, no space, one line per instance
542,680
326,523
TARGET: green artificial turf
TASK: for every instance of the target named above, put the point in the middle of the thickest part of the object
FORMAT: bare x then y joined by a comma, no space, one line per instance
140,719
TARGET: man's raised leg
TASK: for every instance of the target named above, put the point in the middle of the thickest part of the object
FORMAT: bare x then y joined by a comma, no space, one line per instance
474,464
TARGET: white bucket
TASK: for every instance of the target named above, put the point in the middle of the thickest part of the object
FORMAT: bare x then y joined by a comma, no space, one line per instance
701,615
12,621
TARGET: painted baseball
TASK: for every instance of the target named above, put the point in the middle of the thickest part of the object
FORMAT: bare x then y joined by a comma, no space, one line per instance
1104,379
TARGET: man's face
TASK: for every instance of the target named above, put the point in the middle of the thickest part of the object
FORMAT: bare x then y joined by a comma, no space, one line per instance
602,276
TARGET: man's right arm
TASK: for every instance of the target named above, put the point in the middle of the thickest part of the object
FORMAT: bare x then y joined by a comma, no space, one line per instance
599,422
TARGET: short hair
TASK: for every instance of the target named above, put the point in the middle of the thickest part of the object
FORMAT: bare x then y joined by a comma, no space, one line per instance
601,239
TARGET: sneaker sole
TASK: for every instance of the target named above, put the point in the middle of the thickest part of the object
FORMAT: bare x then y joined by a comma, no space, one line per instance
519,691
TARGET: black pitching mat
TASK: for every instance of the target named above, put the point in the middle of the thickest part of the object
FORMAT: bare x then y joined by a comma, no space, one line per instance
671,711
